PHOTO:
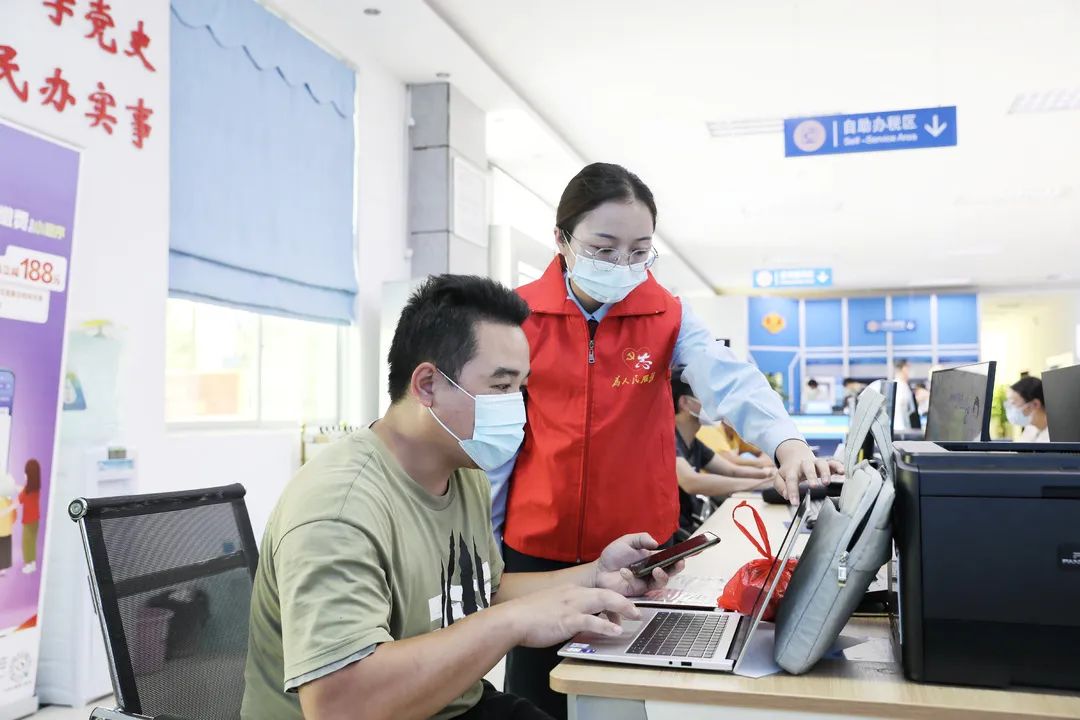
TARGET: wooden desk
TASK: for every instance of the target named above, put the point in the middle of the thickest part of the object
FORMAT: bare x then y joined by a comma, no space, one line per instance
872,686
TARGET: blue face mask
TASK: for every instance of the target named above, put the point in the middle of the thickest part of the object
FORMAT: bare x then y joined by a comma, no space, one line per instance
605,286
498,427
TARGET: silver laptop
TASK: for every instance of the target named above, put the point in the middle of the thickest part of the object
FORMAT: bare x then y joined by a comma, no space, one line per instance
703,639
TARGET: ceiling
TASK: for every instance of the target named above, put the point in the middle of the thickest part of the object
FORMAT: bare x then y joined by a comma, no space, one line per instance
636,82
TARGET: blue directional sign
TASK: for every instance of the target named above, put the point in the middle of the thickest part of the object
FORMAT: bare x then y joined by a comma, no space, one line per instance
791,278
870,132
893,326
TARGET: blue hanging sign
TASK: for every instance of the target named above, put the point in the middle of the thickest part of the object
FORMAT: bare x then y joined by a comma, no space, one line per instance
893,326
870,132
792,278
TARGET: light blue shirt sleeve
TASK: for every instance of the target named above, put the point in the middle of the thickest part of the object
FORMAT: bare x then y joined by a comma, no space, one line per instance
500,490
731,389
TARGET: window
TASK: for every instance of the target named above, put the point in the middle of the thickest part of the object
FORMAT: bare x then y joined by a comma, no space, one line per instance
231,366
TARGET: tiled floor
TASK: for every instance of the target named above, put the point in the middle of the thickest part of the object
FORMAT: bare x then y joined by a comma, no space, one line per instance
495,677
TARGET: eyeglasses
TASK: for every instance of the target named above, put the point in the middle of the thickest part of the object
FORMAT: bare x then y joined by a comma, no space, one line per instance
608,259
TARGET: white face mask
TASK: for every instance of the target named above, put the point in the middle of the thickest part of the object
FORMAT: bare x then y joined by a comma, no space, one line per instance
498,427
703,416
1015,415
605,286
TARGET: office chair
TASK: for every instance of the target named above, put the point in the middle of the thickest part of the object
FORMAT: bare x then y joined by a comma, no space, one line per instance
171,577
704,506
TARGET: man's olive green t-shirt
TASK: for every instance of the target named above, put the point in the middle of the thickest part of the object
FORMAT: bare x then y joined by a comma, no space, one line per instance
355,554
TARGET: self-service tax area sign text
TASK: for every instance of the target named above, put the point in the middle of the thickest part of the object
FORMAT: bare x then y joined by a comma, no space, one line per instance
870,132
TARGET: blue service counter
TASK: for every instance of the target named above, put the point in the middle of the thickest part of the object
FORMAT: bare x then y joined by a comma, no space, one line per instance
793,340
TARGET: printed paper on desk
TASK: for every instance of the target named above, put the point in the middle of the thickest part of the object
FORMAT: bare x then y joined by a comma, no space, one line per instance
685,591
757,658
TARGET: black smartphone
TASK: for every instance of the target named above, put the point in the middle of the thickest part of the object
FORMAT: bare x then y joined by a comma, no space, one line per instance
667,558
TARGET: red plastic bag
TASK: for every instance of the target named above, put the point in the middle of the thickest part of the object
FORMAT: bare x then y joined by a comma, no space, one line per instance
742,591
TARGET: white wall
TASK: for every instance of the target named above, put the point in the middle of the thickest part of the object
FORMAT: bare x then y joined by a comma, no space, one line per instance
121,239
726,317
382,199
121,235
1021,331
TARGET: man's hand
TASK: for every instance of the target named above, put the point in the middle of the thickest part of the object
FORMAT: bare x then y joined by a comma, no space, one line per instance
797,463
772,479
612,569
553,616
755,472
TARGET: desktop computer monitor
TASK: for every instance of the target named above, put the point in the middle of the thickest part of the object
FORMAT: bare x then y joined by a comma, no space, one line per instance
960,401
1061,390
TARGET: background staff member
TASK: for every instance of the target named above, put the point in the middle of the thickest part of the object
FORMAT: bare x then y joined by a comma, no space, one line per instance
906,415
701,471
722,439
1025,407
599,452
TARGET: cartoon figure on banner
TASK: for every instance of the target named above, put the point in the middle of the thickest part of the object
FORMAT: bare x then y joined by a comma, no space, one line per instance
57,92
102,101
29,499
8,68
101,19
7,520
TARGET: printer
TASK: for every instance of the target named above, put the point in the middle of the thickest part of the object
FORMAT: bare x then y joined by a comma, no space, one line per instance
985,581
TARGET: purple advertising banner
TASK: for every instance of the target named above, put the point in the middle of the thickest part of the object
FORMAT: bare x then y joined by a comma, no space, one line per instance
38,183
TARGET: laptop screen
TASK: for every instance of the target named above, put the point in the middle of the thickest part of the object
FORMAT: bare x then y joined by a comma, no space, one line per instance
782,555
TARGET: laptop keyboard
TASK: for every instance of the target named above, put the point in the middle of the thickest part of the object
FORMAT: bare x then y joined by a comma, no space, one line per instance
681,635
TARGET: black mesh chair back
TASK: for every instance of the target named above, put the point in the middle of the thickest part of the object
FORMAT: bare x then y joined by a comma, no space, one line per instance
171,576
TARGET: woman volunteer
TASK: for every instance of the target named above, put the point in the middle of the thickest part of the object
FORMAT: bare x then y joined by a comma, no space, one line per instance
598,459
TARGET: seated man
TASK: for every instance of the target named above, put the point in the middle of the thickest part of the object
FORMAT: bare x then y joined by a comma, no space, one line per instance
701,471
722,439
379,592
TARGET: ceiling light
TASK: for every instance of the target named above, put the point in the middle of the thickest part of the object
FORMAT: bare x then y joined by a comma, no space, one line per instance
372,11
975,251
793,206
1046,101
750,126
753,126
940,282
1011,198
442,75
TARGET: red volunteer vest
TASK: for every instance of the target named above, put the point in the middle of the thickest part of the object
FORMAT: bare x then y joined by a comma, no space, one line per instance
598,460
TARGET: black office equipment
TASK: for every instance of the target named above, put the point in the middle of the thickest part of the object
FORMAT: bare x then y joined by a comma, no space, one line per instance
960,401
988,572
817,492
1061,390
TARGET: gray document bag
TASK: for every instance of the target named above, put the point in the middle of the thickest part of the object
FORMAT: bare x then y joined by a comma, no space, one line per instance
850,542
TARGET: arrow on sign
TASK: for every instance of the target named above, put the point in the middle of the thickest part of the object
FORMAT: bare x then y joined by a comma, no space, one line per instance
823,277
937,127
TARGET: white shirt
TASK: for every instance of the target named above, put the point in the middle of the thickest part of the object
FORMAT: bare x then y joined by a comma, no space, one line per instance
905,405
1033,434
